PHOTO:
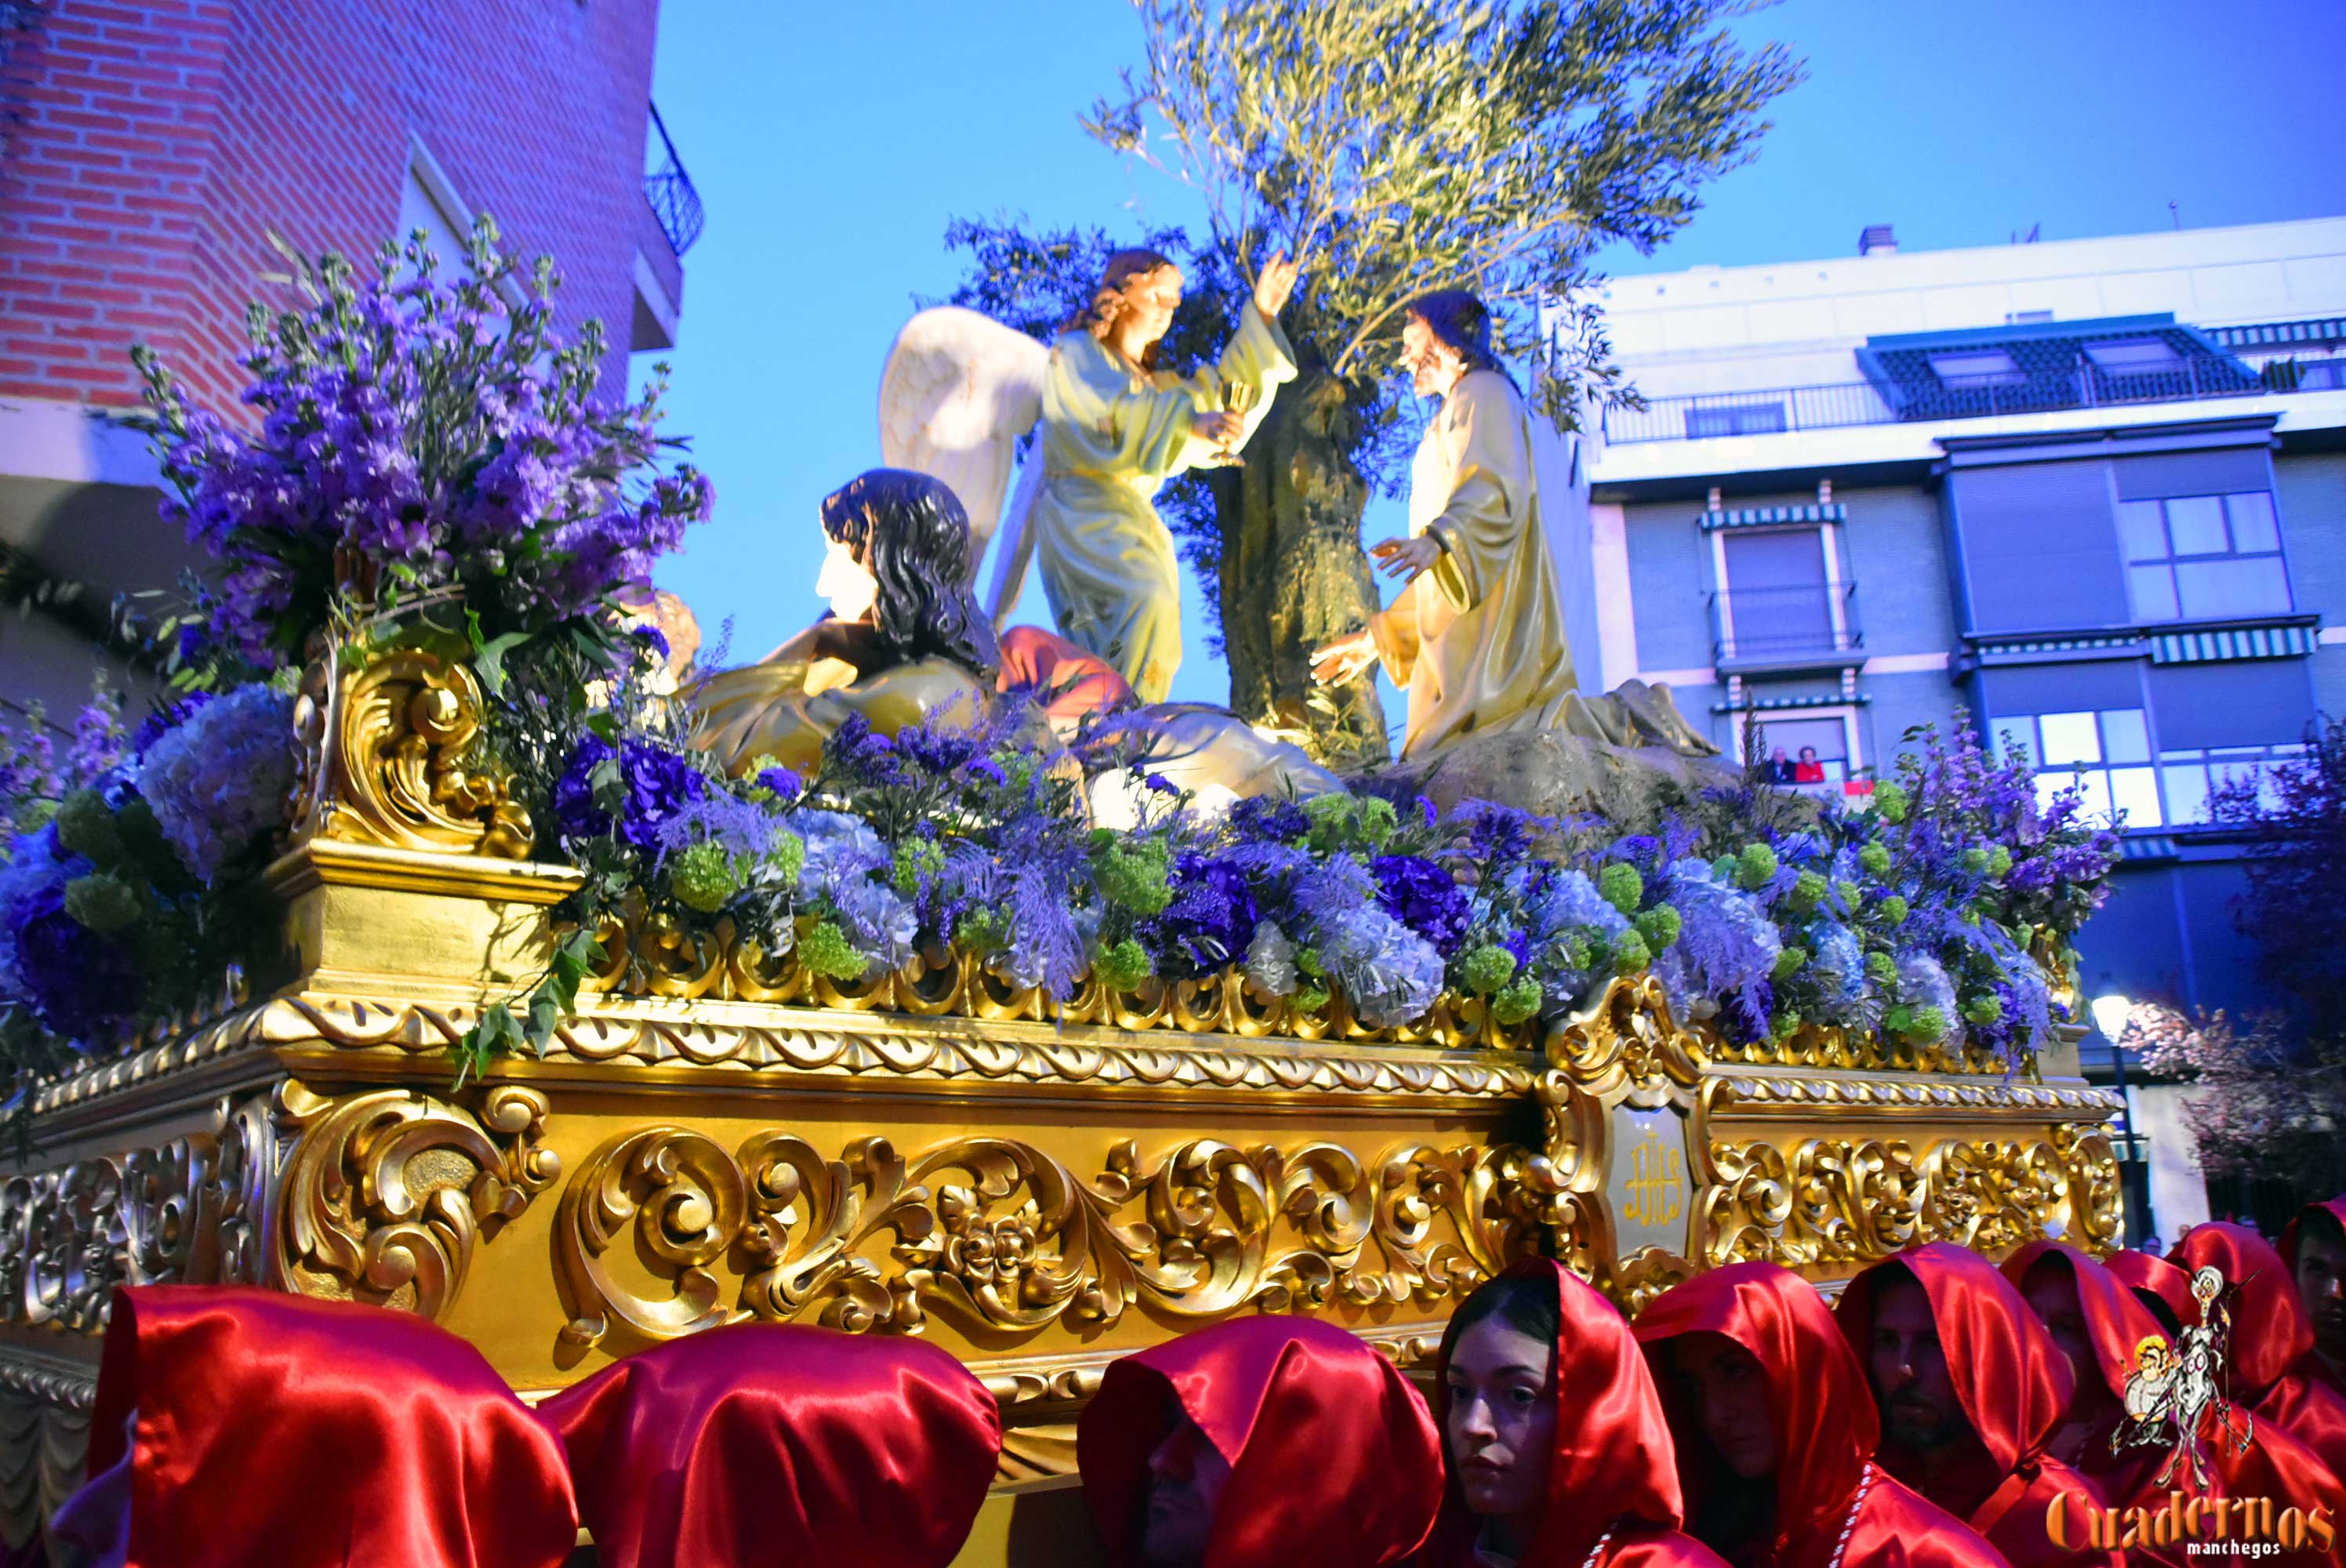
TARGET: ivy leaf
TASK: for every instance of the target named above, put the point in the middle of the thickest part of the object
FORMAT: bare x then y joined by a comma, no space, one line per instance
489,653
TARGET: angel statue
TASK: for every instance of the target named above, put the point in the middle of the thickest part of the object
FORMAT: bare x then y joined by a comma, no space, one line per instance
1476,634
906,642
960,391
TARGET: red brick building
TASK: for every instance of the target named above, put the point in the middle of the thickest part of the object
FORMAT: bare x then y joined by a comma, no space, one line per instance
148,148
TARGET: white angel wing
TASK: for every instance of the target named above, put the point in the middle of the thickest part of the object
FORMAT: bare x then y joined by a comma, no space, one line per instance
959,390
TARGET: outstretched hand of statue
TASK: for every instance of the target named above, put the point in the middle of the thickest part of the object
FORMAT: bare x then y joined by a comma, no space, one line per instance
1347,658
1407,559
1275,283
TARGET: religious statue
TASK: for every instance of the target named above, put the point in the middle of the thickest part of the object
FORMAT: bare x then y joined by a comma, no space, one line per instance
1476,634
959,390
905,641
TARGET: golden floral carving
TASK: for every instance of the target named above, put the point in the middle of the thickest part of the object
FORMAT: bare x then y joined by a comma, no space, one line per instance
383,747
386,1194
1005,1237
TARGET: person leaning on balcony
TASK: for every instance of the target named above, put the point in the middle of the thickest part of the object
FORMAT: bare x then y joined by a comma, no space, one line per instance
1260,1442
1808,769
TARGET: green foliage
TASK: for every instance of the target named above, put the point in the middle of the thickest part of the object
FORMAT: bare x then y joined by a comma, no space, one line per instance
1630,954
1892,802
106,904
703,876
501,1031
1135,875
1122,966
1755,866
1789,961
1487,969
825,950
1875,858
1660,926
1517,1003
1806,891
1623,887
1894,911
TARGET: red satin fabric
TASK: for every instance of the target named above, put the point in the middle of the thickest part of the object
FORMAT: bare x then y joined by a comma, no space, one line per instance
2269,1339
2315,1366
275,1429
768,1443
1069,682
2013,1384
2117,1323
2150,1273
1825,1423
1332,1456
1614,1465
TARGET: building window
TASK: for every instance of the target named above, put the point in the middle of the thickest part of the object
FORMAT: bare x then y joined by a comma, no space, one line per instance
1739,419
2191,776
1814,752
2133,356
1978,368
1781,593
2105,755
2204,557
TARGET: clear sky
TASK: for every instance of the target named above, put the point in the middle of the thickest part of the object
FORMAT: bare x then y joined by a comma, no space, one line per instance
831,144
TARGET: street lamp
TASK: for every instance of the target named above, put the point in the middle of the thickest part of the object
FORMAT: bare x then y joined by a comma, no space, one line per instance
2112,1012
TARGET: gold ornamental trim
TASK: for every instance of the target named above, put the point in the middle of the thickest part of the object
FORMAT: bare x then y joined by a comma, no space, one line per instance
1900,1099
1004,1237
383,756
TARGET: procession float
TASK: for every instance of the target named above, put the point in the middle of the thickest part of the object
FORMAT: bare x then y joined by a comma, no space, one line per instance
457,942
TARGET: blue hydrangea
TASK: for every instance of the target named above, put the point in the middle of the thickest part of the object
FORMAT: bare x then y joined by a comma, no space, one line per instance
219,783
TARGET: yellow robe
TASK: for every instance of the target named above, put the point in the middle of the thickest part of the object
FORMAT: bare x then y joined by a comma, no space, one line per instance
1478,641
1111,437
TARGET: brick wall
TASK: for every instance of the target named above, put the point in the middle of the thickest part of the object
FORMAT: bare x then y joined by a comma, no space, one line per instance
157,144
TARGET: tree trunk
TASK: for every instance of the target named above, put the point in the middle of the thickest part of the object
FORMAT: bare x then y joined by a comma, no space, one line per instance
1294,575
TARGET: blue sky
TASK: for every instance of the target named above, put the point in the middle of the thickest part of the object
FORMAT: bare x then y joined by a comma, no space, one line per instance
831,146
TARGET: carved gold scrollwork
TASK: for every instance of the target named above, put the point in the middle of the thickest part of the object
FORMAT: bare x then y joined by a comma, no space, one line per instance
2097,1193
382,744
1625,1036
1008,1237
386,1194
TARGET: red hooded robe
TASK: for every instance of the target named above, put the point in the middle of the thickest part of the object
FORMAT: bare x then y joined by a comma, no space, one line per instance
2153,1275
1332,1456
1614,1466
1825,1423
2013,1384
769,1442
2269,1339
2315,1366
247,1426
2116,1322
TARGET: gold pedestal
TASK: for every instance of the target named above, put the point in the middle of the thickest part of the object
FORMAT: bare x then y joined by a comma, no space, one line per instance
1037,1197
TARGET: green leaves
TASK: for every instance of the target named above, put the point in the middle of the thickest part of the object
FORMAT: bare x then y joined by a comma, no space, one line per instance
501,1031
489,653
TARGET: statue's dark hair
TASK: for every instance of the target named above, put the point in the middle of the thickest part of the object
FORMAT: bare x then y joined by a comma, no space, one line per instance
1463,321
911,534
1108,297
1528,1303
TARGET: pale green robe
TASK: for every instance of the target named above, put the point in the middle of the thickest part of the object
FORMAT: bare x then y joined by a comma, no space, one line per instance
1111,437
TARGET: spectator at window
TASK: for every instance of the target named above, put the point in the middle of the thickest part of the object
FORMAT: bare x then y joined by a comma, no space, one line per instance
1808,769
1779,767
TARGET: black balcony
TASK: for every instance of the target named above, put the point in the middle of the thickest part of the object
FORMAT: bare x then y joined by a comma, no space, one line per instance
1809,626
669,189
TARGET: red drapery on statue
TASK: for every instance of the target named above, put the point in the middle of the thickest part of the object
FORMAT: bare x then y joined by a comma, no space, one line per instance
256,1427
2013,1384
1613,1466
773,1443
1826,1427
1332,1457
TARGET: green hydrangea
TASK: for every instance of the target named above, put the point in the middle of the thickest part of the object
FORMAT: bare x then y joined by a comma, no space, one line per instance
825,951
1880,968
1122,966
1930,1024
703,876
1808,891
1307,962
1785,1024
1984,1010
1875,858
787,859
1894,911
1630,953
86,827
1486,969
1975,861
915,858
1660,926
982,929
1135,876
1789,962
1518,1002
1755,868
1623,887
1999,863
1848,893
102,903
1310,998
1348,822
1890,801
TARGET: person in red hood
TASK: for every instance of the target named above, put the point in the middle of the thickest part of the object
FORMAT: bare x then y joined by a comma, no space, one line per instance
769,1442
2314,1248
1970,1389
2269,1339
1558,1453
1776,1433
235,1425
2100,1326
2160,1286
1263,1442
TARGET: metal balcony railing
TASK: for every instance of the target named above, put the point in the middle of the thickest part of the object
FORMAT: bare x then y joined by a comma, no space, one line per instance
669,189
1763,413
1784,624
